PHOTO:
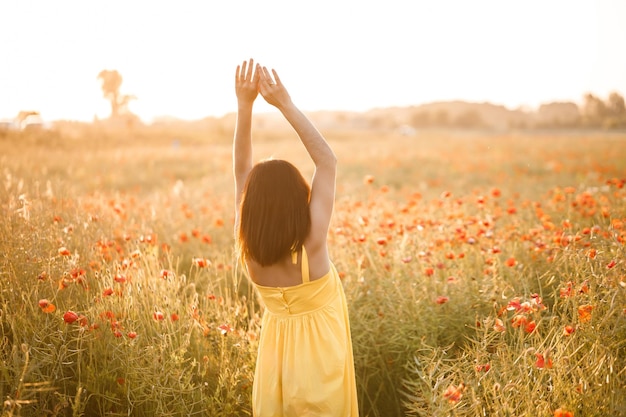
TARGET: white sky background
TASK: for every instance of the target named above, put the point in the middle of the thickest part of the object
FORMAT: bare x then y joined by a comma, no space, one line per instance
179,58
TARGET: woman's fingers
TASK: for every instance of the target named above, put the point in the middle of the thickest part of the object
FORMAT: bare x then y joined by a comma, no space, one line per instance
276,76
267,77
257,74
244,66
250,69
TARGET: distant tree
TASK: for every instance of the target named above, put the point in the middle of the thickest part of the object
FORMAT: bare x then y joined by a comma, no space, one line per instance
558,114
442,118
615,105
111,83
469,119
594,110
420,119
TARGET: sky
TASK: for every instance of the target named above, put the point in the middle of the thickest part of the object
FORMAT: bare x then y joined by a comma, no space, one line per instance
179,57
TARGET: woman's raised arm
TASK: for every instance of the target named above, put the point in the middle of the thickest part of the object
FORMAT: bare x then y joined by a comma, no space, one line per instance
246,88
323,182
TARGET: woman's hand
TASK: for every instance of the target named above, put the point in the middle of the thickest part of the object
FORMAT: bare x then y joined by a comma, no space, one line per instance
274,92
247,84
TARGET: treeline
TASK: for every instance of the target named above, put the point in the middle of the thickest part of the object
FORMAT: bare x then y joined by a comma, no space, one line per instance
594,112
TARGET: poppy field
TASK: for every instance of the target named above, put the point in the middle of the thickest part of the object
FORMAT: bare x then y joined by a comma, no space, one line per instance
485,273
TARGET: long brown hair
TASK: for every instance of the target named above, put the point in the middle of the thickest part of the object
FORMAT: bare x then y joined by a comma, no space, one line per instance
274,216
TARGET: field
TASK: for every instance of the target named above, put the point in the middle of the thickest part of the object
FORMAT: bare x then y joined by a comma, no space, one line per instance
485,273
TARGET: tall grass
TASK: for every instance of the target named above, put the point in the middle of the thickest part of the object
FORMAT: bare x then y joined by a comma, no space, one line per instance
485,275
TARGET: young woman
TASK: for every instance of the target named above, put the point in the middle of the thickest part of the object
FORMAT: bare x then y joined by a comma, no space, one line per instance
305,365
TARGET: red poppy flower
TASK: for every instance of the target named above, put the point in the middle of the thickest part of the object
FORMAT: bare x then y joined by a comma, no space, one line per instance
584,313
530,326
63,251
499,326
201,262
453,394
442,299
224,328
542,362
119,278
46,306
519,320
70,317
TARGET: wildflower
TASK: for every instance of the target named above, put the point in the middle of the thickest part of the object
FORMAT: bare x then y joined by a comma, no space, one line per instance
530,326
224,328
368,179
519,320
201,262
107,292
119,278
63,251
165,273
611,264
483,368
568,330
442,299
158,316
499,326
584,313
131,335
542,362
567,291
511,262
453,394
70,317
429,271
117,333
46,306
514,304
536,302
559,412
174,317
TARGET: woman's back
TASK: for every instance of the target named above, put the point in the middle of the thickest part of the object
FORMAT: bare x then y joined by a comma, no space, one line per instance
287,272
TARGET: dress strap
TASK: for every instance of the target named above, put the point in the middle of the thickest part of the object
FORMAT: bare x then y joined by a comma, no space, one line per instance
305,266
294,257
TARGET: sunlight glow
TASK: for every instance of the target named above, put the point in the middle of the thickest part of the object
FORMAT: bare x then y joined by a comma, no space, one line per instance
179,58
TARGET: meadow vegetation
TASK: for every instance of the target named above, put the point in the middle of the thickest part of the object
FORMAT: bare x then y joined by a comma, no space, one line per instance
485,273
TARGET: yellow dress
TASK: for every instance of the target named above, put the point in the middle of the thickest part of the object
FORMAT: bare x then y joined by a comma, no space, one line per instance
305,365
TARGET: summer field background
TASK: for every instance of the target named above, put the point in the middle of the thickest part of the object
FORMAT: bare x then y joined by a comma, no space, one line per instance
484,272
